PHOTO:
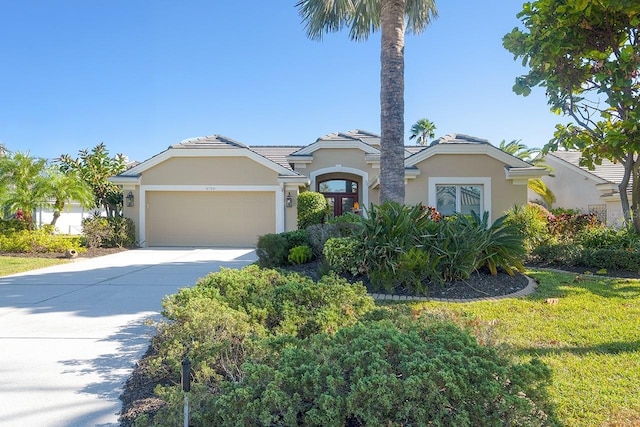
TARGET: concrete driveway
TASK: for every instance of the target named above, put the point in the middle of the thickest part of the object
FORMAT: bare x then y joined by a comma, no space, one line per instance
70,334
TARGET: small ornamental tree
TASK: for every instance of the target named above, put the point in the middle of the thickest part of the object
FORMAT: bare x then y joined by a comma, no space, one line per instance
586,54
312,209
95,167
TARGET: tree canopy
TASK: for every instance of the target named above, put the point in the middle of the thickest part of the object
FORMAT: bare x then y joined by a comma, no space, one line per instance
95,167
586,54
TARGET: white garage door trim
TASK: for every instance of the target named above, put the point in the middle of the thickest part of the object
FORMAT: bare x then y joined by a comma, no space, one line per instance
277,189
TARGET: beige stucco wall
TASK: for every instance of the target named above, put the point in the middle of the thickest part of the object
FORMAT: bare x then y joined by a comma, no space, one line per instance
133,212
504,193
209,170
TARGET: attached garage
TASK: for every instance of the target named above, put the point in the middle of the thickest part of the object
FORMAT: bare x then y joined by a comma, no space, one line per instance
222,219
209,192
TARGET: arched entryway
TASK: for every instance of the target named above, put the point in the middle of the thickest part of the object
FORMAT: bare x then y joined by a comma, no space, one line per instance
342,194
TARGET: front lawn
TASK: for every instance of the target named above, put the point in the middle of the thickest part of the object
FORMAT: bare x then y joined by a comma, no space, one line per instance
585,328
11,265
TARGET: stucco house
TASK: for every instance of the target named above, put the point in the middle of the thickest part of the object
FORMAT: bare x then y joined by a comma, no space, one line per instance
214,191
589,191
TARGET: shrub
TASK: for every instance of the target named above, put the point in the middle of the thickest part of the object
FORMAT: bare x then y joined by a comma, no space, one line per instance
312,209
613,259
415,267
344,255
216,321
458,245
389,231
565,227
300,254
320,233
101,231
501,244
8,226
273,249
532,222
608,238
382,374
567,254
37,241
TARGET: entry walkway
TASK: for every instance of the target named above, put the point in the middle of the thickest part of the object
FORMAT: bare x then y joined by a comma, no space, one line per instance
71,334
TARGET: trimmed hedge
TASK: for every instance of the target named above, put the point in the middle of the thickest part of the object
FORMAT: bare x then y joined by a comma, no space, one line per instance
273,249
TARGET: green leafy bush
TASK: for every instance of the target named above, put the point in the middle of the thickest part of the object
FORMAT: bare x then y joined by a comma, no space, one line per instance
567,254
100,231
608,238
532,222
37,241
565,227
216,321
273,249
612,259
344,255
312,209
12,225
382,374
415,267
300,254
320,233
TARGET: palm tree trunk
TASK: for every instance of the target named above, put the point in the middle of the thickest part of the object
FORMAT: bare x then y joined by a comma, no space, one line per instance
392,101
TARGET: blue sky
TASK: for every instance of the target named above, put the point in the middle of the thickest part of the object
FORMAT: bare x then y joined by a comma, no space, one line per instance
141,75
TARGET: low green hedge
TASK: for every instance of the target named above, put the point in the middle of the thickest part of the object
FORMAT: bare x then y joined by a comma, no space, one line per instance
38,241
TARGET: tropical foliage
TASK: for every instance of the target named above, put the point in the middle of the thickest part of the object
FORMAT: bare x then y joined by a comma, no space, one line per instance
94,168
586,54
392,17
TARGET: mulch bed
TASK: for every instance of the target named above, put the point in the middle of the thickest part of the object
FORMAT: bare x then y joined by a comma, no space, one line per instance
88,253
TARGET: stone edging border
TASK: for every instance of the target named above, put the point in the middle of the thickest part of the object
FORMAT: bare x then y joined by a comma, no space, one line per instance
529,289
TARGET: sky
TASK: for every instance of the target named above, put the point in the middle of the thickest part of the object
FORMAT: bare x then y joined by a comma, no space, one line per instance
140,75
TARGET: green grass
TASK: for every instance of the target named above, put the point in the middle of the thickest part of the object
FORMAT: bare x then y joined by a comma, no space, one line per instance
590,339
12,265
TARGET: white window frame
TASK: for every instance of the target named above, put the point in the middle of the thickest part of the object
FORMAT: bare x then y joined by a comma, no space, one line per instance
483,181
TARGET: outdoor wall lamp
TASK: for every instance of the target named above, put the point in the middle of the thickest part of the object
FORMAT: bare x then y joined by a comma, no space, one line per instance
289,200
129,199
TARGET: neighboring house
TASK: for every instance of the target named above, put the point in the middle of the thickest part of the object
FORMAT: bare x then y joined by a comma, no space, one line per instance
70,220
214,191
588,191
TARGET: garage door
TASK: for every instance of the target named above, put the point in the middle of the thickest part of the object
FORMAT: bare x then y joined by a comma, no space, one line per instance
227,219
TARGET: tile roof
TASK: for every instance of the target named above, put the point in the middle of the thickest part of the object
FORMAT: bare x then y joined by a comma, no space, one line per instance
608,171
211,141
276,153
459,138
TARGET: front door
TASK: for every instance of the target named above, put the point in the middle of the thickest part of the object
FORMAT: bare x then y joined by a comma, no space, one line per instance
341,195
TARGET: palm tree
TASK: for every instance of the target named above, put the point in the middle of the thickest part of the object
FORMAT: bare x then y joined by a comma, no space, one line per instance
25,185
64,188
392,17
423,130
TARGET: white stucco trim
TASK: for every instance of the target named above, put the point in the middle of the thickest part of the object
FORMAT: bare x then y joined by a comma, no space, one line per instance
277,189
342,169
485,181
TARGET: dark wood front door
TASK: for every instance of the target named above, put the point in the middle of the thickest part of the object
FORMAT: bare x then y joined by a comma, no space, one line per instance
341,195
